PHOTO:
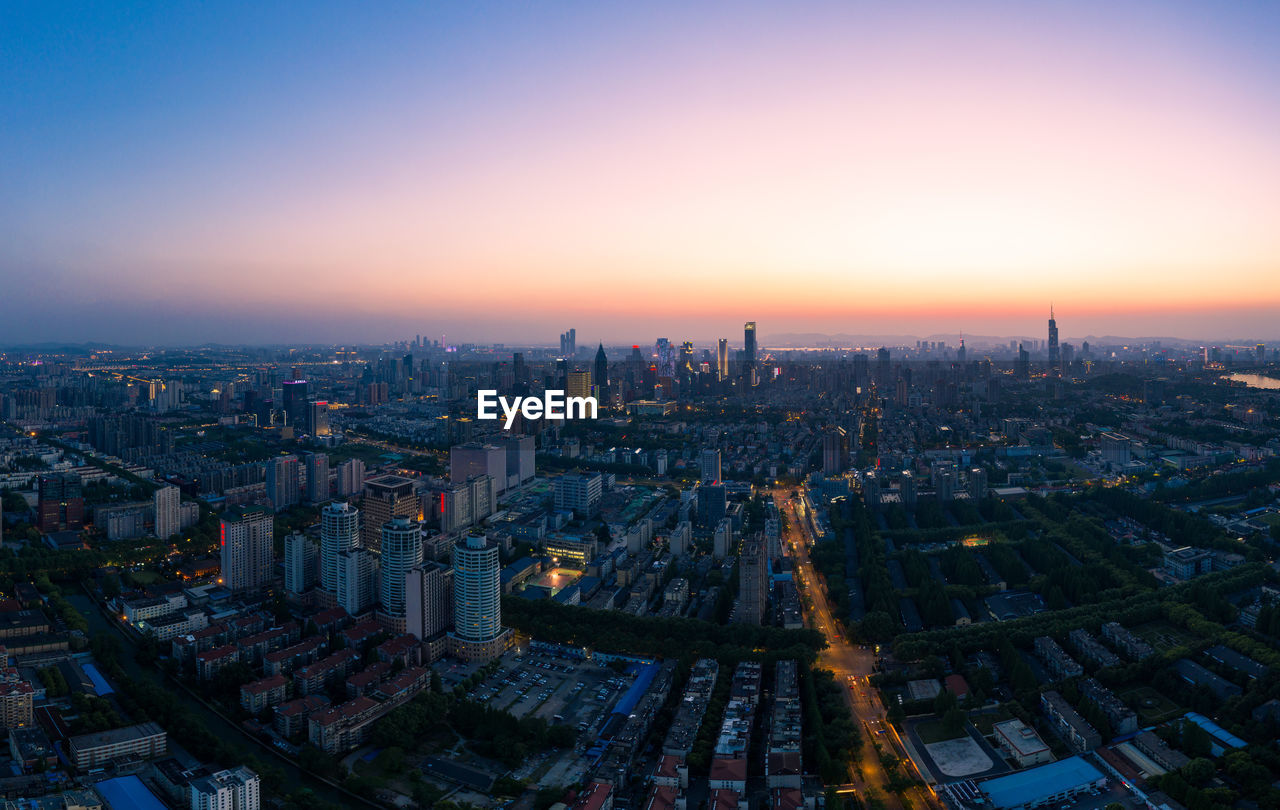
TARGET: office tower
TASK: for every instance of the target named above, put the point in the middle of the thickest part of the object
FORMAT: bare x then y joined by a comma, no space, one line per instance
600,377
293,395
350,478
477,600
569,343
882,370
473,458
385,498
578,492
318,418
722,539
749,346
317,477
871,490
466,504
960,353
907,489
722,359
167,501
401,550
578,384
357,580
1055,359
61,503
246,547
709,464
300,559
284,482
861,371
521,453
835,451
1022,366
977,484
339,533
428,593
753,582
236,789
713,504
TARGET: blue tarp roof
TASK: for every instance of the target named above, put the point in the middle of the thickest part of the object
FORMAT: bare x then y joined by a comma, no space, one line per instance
128,793
100,684
1216,731
1029,786
643,678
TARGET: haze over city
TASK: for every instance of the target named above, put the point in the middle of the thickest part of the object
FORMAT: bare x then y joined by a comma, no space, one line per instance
491,172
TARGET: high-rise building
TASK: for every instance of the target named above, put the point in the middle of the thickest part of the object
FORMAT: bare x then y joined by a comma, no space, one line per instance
709,466
882,370
907,490
464,505
474,458
350,478
317,477
300,563
1055,358
977,484
579,492
521,455
722,359
1022,366
749,347
61,503
236,789
293,395
569,343
601,376
339,533
753,582
318,418
284,482
357,580
428,592
713,504
722,539
246,536
168,500
477,600
835,451
401,550
385,498
578,384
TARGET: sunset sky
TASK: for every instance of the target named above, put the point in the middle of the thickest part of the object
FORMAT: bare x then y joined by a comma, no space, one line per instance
264,172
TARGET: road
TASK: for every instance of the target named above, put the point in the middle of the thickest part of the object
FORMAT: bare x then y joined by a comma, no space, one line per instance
852,665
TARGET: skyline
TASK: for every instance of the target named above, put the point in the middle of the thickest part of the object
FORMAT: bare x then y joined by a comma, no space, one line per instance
245,175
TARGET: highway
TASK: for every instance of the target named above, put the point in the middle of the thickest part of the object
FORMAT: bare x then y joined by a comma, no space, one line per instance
852,665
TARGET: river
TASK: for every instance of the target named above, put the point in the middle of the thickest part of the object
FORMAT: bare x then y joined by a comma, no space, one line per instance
1255,380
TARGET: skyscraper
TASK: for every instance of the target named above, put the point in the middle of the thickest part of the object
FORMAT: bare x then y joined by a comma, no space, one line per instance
428,592
339,533
1055,358
61,503
350,478
722,359
318,418
709,464
474,458
835,450
882,370
284,482
357,580
246,536
293,395
300,555
385,498
317,477
753,582
600,377
168,516
578,384
749,344
401,550
477,600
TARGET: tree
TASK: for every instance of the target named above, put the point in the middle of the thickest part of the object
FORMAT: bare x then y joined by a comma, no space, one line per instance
953,721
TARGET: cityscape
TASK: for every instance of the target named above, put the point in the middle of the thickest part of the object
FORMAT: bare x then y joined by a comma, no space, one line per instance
567,407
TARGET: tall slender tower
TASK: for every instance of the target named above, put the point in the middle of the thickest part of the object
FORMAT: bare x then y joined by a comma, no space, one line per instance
339,532
722,359
1055,355
749,347
401,550
601,372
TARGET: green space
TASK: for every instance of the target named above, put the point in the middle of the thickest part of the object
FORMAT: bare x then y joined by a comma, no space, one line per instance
1163,635
1151,706
933,731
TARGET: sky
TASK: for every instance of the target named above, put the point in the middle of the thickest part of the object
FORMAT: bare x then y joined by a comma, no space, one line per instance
339,172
